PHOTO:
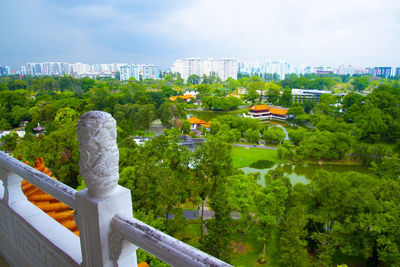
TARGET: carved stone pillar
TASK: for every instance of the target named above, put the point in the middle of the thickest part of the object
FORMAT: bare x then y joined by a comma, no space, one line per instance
103,197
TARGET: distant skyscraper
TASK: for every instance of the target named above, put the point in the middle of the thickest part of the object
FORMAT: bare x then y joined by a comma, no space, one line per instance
223,68
4,70
138,72
397,72
280,67
346,70
150,72
128,71
381,71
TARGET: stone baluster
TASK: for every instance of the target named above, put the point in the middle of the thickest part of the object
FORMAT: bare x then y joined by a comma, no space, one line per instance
11,191
103,197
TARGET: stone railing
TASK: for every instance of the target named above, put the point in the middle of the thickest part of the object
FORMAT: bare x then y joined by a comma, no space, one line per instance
109,235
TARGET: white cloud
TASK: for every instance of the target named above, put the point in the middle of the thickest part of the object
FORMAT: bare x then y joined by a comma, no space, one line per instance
309,31
358,32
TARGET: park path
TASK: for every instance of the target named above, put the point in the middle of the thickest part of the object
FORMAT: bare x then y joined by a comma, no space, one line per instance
257,146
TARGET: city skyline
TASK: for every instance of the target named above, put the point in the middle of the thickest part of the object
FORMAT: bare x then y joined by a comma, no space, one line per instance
224,68
359,33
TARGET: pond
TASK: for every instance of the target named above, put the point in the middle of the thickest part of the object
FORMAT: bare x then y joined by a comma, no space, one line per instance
302,173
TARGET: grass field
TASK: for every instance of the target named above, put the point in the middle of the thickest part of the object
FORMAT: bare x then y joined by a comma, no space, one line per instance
244,252
243,157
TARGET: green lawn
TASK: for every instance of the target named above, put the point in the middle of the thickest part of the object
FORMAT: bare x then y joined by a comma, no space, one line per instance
243,157
246,252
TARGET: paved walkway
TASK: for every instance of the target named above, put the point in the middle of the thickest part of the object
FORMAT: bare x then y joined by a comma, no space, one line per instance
257,146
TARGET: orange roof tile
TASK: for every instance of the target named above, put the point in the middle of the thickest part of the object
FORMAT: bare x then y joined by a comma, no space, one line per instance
187,96
53,207
278,111
184,97
143,264
258,107
195,120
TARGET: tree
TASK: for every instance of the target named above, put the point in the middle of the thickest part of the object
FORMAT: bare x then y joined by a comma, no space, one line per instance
10,141
274,135
19,114
241,198
228,135
350,99
194,79
287,98
251,96
221,103
327,104
252,136
286,151
186,127
213,163
59,149
65,115
371,153
273,92
218,239
325,145
256,86
364,226
388,168
4,124
232,83
360,83
170,112
370,120
270,203
295,113
292,243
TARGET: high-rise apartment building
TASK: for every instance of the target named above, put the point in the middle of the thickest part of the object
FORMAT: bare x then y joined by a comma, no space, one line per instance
5,70
397,72
223,68
138,72
150,72
280,67
346,70
381,71
128,71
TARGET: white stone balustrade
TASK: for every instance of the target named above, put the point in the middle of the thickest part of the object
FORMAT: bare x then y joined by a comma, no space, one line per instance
109,235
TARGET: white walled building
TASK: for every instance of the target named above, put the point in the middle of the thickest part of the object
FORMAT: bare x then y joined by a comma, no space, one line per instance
128,71
223,68
301,95
138,72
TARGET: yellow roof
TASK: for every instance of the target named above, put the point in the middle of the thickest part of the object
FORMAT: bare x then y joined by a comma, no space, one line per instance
278,111
53,207
195,120
258,107
184,97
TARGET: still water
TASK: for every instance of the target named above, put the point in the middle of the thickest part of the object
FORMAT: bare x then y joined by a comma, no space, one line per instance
302,173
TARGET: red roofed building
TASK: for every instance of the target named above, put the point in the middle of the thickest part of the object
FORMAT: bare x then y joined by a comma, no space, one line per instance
265,112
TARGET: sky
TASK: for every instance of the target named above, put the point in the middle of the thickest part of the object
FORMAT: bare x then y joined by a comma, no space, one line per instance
310,32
